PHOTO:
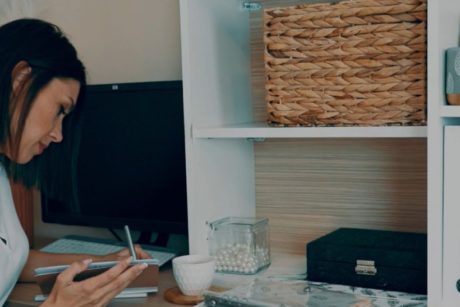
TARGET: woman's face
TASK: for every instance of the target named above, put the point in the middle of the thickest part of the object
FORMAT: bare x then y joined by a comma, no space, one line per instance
44,122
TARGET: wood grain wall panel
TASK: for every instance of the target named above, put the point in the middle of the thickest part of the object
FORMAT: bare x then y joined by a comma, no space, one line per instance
310,187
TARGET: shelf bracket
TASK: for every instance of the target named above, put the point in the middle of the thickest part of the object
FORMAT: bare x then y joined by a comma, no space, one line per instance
251,6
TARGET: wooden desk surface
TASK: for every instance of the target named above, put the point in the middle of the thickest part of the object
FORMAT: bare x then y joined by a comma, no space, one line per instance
24,293
282,264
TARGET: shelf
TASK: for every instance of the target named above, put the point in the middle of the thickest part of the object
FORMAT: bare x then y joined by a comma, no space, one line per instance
262,130
450,111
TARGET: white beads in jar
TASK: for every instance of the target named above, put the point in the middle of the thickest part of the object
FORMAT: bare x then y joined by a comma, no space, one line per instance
238,258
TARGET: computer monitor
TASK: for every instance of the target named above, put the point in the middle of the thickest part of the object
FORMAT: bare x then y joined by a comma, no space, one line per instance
131,162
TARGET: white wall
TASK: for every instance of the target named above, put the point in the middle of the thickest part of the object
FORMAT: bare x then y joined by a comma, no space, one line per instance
119,41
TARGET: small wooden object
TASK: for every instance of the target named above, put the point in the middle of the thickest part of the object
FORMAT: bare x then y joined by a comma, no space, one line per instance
453,99
175,296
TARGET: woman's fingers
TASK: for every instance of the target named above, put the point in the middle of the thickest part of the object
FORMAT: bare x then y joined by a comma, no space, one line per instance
109,291
107,277
141,254
95,291
123,253
68,275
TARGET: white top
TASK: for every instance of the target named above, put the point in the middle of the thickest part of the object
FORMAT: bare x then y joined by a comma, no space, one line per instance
13,253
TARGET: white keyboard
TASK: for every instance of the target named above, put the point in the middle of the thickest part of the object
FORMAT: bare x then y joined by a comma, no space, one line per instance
78,246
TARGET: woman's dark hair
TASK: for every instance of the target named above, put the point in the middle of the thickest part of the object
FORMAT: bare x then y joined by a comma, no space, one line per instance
48,52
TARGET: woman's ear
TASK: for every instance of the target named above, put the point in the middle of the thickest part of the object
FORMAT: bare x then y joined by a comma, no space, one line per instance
19,75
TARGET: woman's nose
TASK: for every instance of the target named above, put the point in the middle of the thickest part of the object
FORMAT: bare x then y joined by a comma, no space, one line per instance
56,132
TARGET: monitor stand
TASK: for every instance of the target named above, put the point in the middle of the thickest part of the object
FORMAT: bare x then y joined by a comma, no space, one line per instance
161,239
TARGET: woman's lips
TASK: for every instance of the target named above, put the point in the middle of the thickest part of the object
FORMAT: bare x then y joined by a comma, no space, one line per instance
41,148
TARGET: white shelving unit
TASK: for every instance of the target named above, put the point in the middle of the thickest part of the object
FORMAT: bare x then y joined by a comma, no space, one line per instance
219,120
451,213
262,130
450,111
443,32
216,72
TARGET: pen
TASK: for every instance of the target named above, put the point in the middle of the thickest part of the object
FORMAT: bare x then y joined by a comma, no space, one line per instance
130,243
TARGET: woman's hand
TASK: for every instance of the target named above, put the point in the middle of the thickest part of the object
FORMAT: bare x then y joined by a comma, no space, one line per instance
95,291
120,255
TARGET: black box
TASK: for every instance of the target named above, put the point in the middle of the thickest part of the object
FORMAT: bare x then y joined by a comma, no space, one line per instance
376,259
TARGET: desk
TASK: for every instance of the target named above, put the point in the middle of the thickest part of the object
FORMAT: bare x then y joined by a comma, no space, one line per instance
23,294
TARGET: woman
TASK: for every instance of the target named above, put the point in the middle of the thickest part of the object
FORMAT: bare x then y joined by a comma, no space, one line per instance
42,84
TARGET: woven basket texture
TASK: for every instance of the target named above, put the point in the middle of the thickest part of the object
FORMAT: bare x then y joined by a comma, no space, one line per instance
352,63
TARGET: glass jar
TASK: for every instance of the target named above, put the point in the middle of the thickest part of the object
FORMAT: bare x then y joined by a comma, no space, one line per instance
240,245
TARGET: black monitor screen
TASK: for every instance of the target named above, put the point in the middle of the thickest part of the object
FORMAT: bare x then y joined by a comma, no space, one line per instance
131,163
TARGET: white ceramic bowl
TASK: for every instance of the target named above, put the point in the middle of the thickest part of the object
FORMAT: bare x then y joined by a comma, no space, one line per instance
193,273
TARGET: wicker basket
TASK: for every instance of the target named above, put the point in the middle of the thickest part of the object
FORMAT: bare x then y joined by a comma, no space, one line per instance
356,62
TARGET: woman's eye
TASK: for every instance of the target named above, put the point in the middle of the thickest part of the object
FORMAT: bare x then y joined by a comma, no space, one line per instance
62,111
